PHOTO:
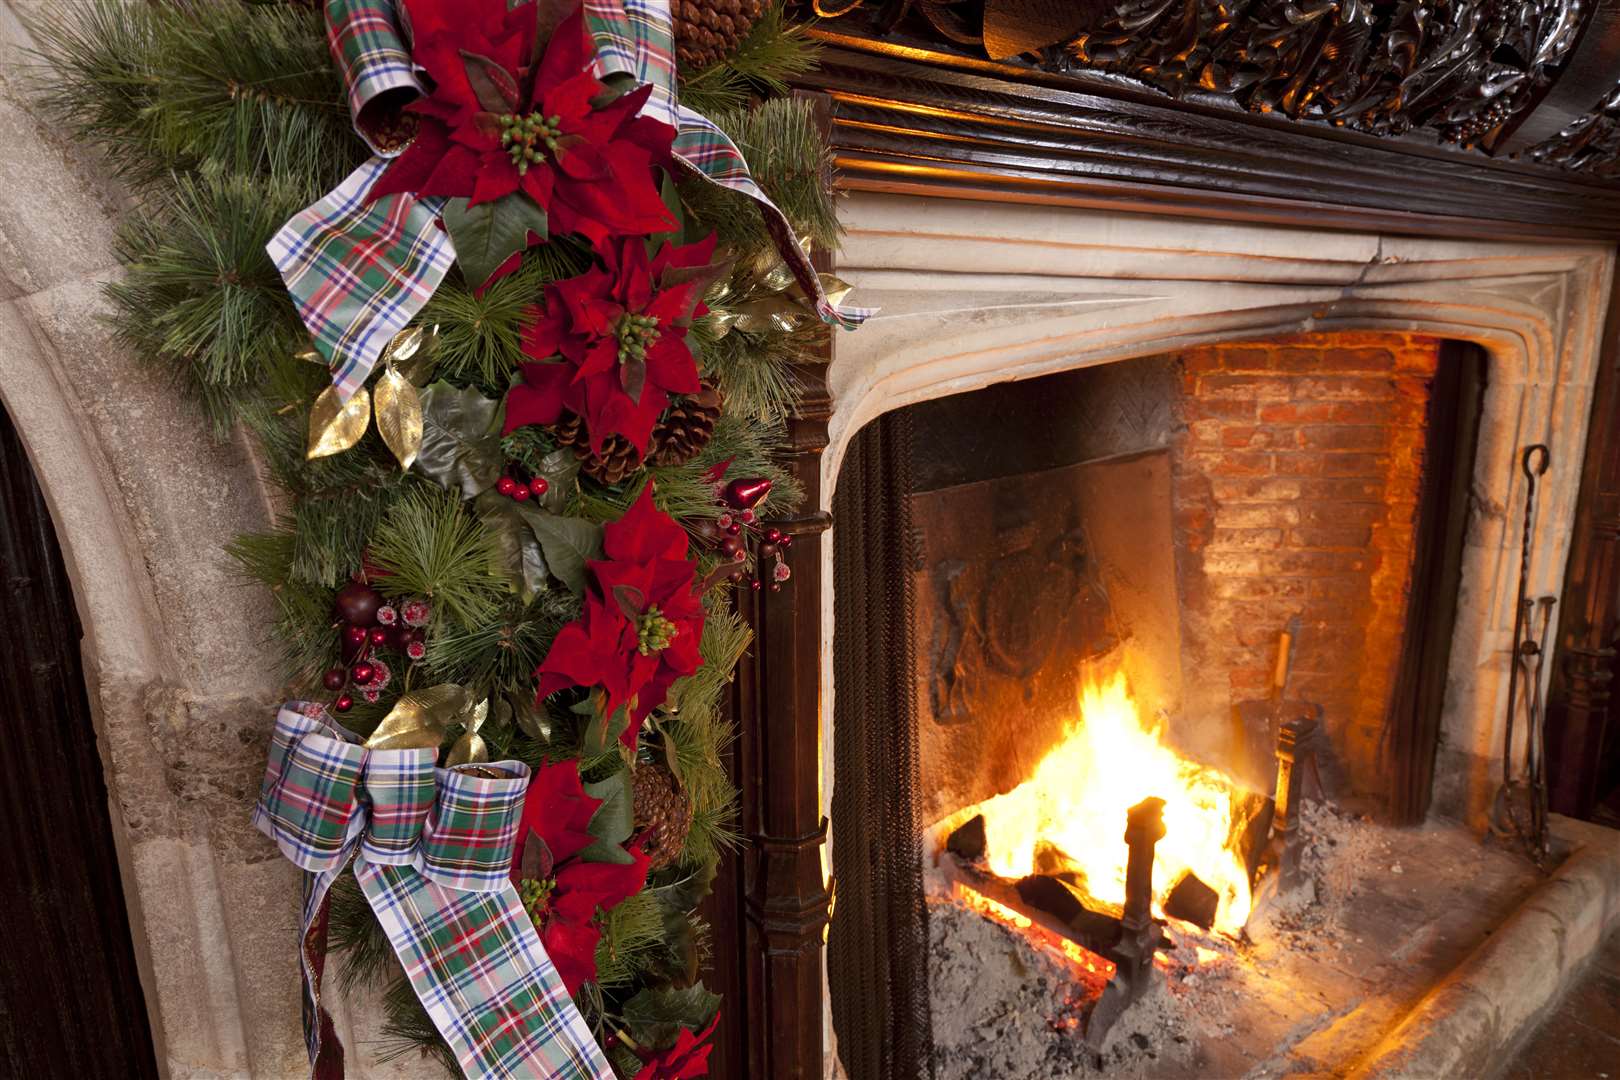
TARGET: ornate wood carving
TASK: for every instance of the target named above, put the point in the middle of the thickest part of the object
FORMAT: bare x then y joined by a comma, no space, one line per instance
1462,69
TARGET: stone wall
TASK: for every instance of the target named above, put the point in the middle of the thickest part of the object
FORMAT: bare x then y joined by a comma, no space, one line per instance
1296,480
181,684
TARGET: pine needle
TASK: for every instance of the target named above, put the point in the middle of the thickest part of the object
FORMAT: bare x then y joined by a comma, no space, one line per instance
428,544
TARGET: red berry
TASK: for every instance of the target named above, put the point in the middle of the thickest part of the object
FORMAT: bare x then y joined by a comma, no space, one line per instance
787,541
520,493
539,486
733,529
506,485
773,535
769,551
334,679
379,635
356,635
344,703
363,672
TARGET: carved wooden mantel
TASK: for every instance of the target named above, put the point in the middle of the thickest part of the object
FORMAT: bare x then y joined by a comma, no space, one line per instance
1328,115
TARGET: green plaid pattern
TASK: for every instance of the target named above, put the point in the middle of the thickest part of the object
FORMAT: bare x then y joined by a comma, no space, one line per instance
365,42
636,37
434,851
358,271
477,965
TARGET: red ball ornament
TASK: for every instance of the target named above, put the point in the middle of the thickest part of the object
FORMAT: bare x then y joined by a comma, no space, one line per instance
363,672
357,603
521,494
506,485
747,493
773,535
769,551
733,546
379,635
356,635
539,486
344,703
334,679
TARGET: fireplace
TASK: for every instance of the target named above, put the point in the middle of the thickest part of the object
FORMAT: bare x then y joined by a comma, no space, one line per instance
1131,587
1132,461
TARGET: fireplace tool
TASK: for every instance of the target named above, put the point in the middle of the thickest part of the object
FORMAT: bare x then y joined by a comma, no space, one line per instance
1520,809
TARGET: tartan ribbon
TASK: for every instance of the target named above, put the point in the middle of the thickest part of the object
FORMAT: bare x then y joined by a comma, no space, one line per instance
360,270
432,849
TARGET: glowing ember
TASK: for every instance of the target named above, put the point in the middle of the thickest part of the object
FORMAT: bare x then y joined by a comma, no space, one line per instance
1070,815
1082,958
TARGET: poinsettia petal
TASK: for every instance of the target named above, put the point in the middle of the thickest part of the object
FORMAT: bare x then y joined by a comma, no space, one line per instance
538,399
670,366
567,53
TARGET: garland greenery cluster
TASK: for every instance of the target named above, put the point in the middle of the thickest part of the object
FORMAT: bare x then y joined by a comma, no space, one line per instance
224,119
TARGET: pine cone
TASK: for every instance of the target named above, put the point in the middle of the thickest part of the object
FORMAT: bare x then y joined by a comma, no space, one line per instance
708,31
685,428
616,460
662,811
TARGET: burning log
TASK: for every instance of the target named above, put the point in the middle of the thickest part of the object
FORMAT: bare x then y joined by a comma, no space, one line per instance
1193,901
968,841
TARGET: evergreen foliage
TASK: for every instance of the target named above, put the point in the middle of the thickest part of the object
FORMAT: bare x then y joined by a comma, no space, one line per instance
224,119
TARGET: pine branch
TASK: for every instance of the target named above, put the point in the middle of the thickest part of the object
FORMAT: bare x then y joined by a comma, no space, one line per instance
428,544
501,656
200,289
173,87
409,1029
632,938
354,932
302,628
772,54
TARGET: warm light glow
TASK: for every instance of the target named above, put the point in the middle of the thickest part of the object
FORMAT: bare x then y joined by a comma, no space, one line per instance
1070,815
1082,958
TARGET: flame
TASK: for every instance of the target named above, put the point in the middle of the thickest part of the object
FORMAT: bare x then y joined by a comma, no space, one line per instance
1071,811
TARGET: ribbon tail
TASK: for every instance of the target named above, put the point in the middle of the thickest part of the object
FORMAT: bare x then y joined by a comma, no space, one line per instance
479,969
371,53
359,269
320,1035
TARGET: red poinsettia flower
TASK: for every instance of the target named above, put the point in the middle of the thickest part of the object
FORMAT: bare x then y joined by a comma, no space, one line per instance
689,1056
502,117
561,891
619,330
642,621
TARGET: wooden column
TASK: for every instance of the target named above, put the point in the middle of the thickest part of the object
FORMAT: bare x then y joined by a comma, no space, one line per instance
785,896
1579,714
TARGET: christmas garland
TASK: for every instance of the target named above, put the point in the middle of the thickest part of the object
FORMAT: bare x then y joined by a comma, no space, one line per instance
508,297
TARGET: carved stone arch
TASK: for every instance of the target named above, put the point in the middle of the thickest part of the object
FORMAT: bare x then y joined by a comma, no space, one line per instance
181,686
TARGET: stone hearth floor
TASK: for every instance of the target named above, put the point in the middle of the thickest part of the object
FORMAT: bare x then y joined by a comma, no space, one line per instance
1580,1040
1423,954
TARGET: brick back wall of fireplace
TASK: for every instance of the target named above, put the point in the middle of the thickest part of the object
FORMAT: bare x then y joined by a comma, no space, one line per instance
1296,476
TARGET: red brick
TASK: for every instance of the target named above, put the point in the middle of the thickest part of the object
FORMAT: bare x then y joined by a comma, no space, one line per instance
1194,408
1296,413
1313,563
1340,513
1367,465
1238,490
1246,387
1297,360
1210,433
1329,536
1340,490
1231,463
1338,590
1259,588
1256,516
1344,438
1246,358
1246,539
1346,360
1340,388
1231,564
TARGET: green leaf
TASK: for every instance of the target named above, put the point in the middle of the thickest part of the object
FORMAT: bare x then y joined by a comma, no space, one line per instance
655,1017
488,234
561,470
567,543
601,730
519,558
613,821
461,439
533,719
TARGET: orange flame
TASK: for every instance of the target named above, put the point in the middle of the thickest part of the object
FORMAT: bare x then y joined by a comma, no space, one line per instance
1080,957
1071,812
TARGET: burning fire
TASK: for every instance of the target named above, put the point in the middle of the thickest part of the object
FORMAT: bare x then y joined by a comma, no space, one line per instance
1070,815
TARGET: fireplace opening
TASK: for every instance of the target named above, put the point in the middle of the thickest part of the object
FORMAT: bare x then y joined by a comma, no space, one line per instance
1103,638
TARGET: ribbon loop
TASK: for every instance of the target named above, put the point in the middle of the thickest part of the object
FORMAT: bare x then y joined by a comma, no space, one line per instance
472,829
434,853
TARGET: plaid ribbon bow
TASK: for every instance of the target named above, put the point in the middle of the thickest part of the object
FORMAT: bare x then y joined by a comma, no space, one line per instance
360,269
432,849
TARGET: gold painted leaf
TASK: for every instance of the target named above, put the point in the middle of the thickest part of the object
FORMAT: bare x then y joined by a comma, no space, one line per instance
420,718
403,345
399,416
470,748
335,424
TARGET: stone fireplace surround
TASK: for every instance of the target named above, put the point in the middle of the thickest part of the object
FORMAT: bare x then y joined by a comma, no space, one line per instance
976,293
972,293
